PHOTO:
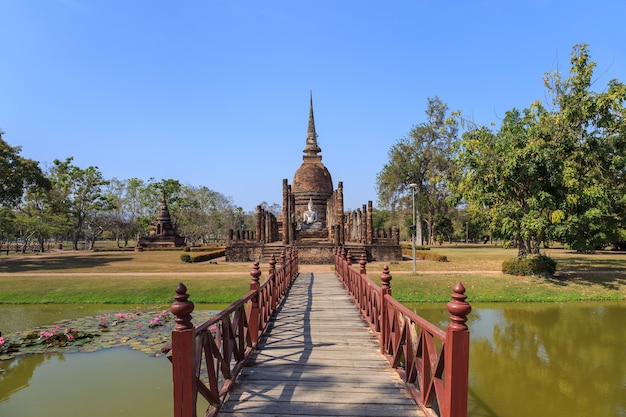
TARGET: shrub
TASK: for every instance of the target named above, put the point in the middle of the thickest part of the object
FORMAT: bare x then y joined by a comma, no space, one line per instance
186,249
429,256
205,248
417,247
540,265
202,257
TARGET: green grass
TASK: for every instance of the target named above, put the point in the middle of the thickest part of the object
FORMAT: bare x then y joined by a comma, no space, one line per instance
151,277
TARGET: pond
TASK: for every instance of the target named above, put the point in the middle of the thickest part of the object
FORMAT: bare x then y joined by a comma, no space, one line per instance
554,359
525,360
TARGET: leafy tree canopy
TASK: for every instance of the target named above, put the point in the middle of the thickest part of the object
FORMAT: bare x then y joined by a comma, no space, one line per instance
17,174
553,171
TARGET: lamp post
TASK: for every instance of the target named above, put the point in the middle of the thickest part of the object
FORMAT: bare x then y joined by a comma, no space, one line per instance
413,186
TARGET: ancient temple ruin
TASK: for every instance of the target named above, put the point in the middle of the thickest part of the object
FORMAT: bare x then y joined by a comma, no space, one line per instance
313,219
162,233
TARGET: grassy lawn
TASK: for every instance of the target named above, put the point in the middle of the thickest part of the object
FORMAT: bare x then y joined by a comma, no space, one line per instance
151,277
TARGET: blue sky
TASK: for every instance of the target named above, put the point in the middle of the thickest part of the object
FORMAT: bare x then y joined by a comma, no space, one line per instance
216,92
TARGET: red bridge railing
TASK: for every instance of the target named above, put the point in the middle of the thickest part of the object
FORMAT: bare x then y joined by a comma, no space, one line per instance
432,362
207,359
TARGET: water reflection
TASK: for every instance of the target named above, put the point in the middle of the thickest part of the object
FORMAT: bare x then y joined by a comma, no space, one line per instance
117,382
545,359
16,374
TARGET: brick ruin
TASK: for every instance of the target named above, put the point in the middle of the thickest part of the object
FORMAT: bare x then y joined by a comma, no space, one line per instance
313,219
162,233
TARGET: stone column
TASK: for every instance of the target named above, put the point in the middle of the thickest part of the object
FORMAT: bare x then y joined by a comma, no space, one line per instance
370,223
286,222
259,222
340,214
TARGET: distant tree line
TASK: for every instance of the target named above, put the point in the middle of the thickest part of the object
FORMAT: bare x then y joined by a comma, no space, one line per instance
554,171
70,203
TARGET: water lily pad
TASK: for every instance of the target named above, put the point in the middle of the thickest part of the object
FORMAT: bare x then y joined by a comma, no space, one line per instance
146,331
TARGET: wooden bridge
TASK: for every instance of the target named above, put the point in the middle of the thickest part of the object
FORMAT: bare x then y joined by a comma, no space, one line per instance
295,345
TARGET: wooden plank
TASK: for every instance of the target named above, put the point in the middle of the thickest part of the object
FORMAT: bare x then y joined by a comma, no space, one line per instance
319,358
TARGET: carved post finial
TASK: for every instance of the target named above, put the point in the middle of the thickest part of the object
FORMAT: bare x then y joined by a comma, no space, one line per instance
255,273
283,258
385,277
272,263
349,257
363,262
182,308
458,308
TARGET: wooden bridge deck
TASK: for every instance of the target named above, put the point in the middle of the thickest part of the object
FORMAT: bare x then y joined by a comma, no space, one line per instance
319,358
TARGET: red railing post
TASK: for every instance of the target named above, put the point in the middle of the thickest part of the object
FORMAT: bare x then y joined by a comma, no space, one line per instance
183,353
276,285
385,289
361,283
272,263
457,354
253,320
362,263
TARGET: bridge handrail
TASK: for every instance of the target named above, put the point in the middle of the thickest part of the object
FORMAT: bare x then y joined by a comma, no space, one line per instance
207,359
432,362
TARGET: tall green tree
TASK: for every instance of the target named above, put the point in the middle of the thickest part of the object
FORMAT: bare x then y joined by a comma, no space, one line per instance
36,219
553,171
17,174
510,173
592,127
423,158
204,215
78,193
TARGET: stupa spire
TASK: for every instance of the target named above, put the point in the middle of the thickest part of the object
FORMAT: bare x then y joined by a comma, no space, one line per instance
311,148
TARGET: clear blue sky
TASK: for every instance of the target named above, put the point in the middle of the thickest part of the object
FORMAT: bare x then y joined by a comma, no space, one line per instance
216,93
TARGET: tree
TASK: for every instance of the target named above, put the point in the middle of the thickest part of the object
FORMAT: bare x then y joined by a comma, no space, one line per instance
77,193
422,158
204,215
36,218
141,200
592,127
509,174
17,174
7,225
553,172
119,219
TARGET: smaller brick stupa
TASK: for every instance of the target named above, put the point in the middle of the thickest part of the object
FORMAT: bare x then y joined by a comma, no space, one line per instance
162,233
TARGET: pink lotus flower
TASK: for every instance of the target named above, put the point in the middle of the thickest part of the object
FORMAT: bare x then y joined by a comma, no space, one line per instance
70,337
139,326
1,340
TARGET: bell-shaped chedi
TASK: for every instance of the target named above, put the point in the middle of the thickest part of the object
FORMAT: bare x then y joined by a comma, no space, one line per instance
312,183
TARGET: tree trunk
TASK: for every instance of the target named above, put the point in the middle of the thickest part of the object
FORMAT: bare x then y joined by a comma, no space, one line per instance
522,248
